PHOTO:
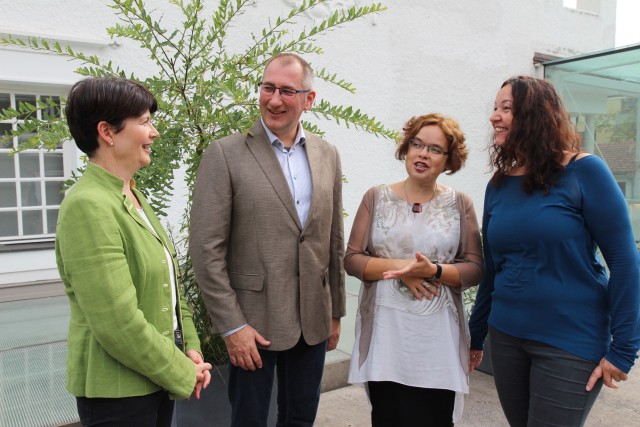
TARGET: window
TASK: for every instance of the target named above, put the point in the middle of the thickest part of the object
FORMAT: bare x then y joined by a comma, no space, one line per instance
623,187
592,6
31,182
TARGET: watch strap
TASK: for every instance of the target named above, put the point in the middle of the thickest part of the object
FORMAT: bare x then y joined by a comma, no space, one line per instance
438,270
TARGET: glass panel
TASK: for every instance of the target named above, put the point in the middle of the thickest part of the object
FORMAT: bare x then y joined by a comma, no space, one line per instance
8,198
29,165
54,194
52,219
29,99
51,111
7,168
53,165
31,194
5,128
602,94
8,224
31,222
5,101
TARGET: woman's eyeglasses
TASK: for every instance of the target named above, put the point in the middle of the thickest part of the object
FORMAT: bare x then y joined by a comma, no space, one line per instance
434,149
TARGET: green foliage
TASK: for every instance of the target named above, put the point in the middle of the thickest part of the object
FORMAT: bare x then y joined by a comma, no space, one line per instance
619,125
204,90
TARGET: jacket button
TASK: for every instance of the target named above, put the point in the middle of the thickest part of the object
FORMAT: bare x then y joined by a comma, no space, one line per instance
301,239
165,309
164,261
165,285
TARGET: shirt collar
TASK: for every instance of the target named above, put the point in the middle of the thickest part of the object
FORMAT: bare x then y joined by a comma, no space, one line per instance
300,137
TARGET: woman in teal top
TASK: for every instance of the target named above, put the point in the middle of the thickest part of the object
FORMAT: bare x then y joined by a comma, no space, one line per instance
132,344
560,327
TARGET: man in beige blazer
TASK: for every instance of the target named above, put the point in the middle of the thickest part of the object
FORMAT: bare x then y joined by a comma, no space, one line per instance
267,248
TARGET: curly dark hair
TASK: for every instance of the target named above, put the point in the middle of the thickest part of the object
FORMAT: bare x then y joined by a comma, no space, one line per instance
540,134
457,148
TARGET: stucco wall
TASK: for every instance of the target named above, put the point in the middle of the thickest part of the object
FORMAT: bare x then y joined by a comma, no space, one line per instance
417,57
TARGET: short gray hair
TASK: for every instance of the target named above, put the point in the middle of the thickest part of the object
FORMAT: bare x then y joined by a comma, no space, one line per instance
289,58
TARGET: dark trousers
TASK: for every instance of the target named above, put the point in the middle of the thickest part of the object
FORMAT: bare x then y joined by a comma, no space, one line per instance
299,372
399,405
540,385
151,410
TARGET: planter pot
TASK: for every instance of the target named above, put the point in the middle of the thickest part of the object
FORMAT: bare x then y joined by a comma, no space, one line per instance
213,409
486,366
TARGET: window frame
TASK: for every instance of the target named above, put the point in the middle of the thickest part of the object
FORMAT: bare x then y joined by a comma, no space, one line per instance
45,238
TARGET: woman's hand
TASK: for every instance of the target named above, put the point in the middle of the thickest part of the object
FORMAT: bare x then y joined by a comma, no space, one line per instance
609,374
203,376
421,267
475,358
421,288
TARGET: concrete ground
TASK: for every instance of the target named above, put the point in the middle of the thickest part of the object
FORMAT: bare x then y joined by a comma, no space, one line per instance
32,363
348,406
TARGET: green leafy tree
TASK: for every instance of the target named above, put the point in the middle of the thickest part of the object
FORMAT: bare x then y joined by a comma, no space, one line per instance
204,92
619,125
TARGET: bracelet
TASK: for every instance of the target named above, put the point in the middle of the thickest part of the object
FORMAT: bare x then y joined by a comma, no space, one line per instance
438,270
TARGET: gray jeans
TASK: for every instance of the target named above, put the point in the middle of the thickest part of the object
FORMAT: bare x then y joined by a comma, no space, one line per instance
540,385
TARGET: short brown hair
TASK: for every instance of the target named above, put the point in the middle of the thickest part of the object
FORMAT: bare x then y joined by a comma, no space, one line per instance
457,149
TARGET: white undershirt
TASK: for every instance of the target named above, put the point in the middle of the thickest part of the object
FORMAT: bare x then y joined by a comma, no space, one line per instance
171,271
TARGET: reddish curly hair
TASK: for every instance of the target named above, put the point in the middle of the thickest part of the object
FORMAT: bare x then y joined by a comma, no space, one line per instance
457,148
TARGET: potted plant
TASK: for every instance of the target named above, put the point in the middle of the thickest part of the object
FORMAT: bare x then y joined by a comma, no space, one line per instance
204,93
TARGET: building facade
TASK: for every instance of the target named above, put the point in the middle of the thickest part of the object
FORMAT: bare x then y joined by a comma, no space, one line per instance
414,58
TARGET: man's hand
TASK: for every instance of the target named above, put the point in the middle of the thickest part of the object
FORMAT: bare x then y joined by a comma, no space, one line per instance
609,374
335,335
242,348
203,376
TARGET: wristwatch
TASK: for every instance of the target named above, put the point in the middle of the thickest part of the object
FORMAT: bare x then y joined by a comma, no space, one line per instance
438,270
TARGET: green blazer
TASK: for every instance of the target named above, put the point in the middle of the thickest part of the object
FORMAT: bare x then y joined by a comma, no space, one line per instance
116,276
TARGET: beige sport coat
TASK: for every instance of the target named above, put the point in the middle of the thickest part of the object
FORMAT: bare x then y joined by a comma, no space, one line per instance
253,260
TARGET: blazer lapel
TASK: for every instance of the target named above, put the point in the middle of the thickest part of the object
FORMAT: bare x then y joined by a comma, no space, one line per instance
137,218
259,145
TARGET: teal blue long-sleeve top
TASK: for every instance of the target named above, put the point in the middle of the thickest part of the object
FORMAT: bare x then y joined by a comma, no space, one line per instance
543,279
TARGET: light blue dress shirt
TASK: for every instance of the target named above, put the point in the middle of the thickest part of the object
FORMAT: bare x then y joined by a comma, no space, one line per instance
295,166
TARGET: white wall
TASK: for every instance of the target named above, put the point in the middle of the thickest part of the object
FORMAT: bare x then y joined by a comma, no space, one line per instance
415,58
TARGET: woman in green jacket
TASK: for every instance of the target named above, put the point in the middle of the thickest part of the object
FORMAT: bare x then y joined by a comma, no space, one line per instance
132,343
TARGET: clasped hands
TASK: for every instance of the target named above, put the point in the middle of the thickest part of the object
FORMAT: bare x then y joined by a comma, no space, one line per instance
413,276
203,376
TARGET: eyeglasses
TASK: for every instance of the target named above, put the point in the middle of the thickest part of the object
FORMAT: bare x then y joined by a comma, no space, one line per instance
434,149
285,92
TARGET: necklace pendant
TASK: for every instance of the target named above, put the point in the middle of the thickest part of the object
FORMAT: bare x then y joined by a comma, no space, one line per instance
416,208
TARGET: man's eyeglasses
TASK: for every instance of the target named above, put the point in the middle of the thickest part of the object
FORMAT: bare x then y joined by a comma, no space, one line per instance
285,92
434,149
